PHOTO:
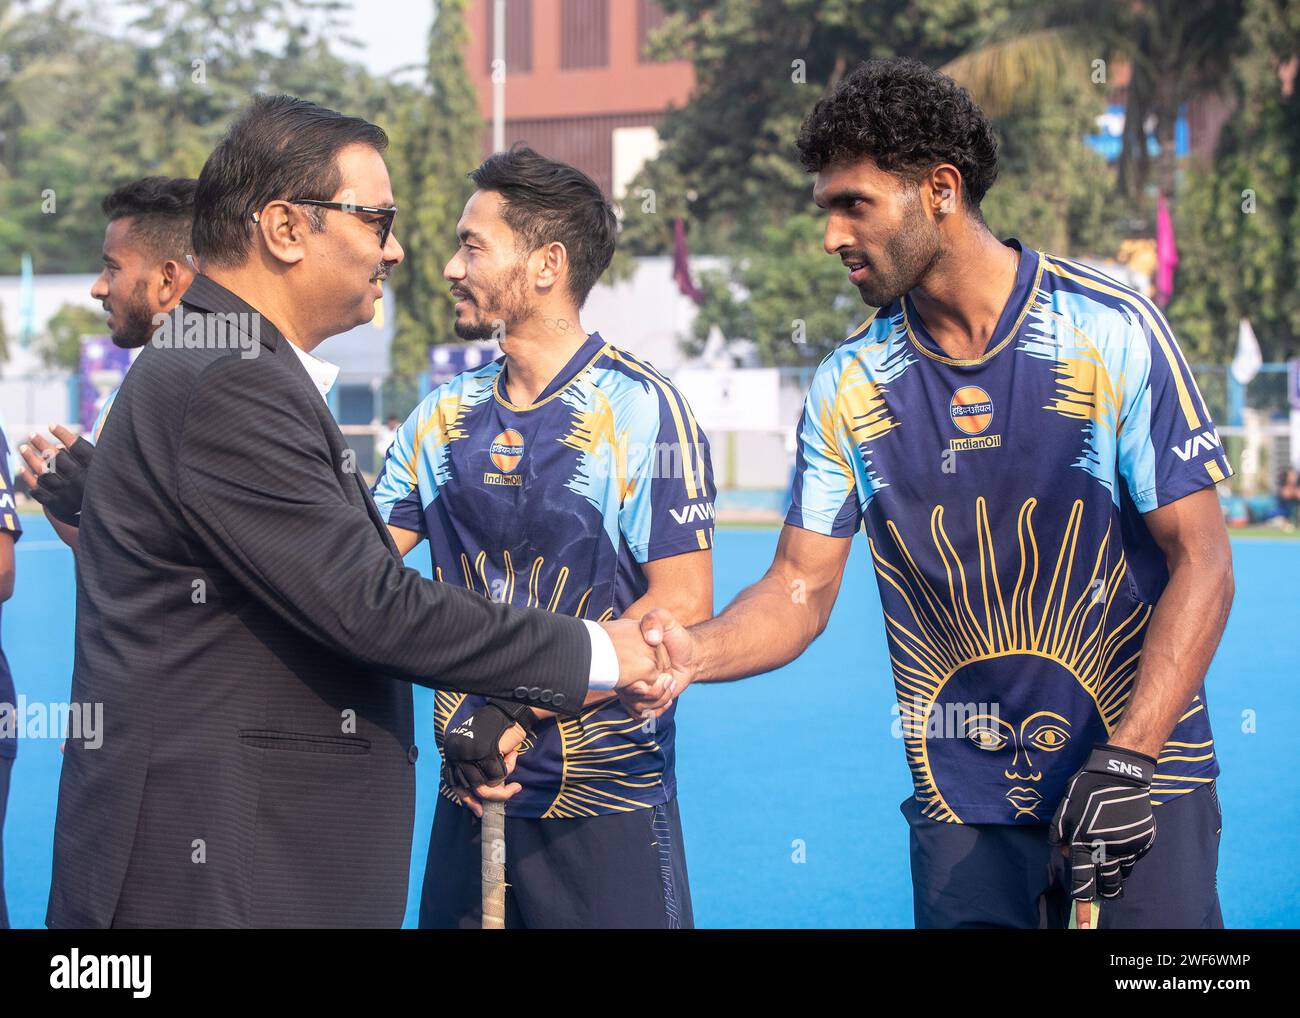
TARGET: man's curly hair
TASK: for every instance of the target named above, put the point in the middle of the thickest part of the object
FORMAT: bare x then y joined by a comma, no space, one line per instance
906,118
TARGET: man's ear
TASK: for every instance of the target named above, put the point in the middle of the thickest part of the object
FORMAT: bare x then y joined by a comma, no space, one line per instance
554,263
282,229
944,191
174,279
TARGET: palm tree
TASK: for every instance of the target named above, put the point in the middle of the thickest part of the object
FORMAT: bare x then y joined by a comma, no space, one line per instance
32,63
1175,50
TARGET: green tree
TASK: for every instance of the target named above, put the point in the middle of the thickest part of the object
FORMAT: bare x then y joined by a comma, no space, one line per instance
1174,49
785,295
55,75
761,64
729,165
82,112
59,346
1053,191
436,137
1238,222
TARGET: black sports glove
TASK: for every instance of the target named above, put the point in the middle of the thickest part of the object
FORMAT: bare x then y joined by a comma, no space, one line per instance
1106,820
471,750
63,485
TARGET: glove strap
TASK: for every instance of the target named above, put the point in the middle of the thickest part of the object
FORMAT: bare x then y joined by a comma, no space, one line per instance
520,713
1117,762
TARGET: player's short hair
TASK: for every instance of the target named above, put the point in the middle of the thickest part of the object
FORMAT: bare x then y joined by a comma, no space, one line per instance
906,118
161,211
544,201
280,147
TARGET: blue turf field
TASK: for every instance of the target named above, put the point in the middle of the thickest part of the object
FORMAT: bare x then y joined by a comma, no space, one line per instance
802,758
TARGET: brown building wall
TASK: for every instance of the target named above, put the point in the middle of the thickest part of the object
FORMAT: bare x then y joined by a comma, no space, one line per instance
584,142
574,73
626,84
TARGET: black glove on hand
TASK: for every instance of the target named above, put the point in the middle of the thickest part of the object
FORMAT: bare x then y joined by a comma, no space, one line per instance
1106,820
471,750
63,485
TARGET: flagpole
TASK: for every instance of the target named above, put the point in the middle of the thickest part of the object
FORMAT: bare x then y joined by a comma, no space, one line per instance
499,75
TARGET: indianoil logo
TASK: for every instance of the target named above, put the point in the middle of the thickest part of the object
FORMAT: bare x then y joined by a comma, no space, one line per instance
971,410
506,450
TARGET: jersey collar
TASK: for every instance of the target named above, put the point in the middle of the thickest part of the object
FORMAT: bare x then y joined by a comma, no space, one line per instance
1028,274
580,360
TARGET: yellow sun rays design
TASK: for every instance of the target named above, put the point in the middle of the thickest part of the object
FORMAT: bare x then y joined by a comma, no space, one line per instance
594,429
1049,612
592,782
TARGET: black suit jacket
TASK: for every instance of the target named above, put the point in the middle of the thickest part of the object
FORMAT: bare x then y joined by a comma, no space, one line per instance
246,623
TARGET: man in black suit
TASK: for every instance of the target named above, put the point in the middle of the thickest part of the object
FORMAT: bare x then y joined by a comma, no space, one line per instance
242,613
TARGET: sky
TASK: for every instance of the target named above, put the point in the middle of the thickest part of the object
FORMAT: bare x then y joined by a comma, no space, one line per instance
392,34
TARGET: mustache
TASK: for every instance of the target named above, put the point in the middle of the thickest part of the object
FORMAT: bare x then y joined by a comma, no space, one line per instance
382,271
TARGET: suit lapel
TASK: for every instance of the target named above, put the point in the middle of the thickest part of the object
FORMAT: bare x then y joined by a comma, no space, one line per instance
339,446
206,295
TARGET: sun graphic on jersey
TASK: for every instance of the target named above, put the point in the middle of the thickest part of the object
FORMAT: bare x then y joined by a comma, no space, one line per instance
1054,646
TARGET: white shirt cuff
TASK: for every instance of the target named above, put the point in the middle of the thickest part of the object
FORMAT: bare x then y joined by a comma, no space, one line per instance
604,660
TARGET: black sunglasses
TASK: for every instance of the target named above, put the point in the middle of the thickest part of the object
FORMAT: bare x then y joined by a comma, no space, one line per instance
386,222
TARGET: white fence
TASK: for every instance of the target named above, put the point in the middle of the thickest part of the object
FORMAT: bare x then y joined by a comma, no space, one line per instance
32,403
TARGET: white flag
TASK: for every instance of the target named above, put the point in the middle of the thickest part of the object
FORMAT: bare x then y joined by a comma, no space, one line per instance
1248,360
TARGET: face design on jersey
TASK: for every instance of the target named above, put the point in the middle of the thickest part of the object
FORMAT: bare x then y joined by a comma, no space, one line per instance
1022,748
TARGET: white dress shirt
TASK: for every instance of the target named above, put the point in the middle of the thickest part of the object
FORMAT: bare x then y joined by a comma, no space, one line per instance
323,373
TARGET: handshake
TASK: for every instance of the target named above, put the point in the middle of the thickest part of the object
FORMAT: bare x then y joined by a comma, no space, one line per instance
654,662
655,665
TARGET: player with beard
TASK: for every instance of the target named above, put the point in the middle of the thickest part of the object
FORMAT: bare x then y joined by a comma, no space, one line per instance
147,269
567,475
1034,467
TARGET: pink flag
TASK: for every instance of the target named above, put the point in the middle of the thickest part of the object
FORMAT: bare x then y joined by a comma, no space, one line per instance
1166,253
681,264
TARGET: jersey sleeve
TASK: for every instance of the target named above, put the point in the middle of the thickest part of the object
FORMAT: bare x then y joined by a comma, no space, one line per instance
668,505
102,417
9,520
1168,444
397,489
824,494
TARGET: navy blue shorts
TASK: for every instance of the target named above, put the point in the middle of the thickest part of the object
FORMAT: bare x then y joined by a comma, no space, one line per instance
979,876
617,871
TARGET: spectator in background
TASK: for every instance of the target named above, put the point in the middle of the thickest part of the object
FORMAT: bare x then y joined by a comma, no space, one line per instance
385,437
1288,496
10,529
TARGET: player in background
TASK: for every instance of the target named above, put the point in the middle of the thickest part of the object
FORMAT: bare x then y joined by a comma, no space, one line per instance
571,476
147,269
11,529
1025,447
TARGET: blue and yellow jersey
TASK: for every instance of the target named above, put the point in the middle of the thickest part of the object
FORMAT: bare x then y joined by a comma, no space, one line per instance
9,524
102,416
1002,499
557,505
